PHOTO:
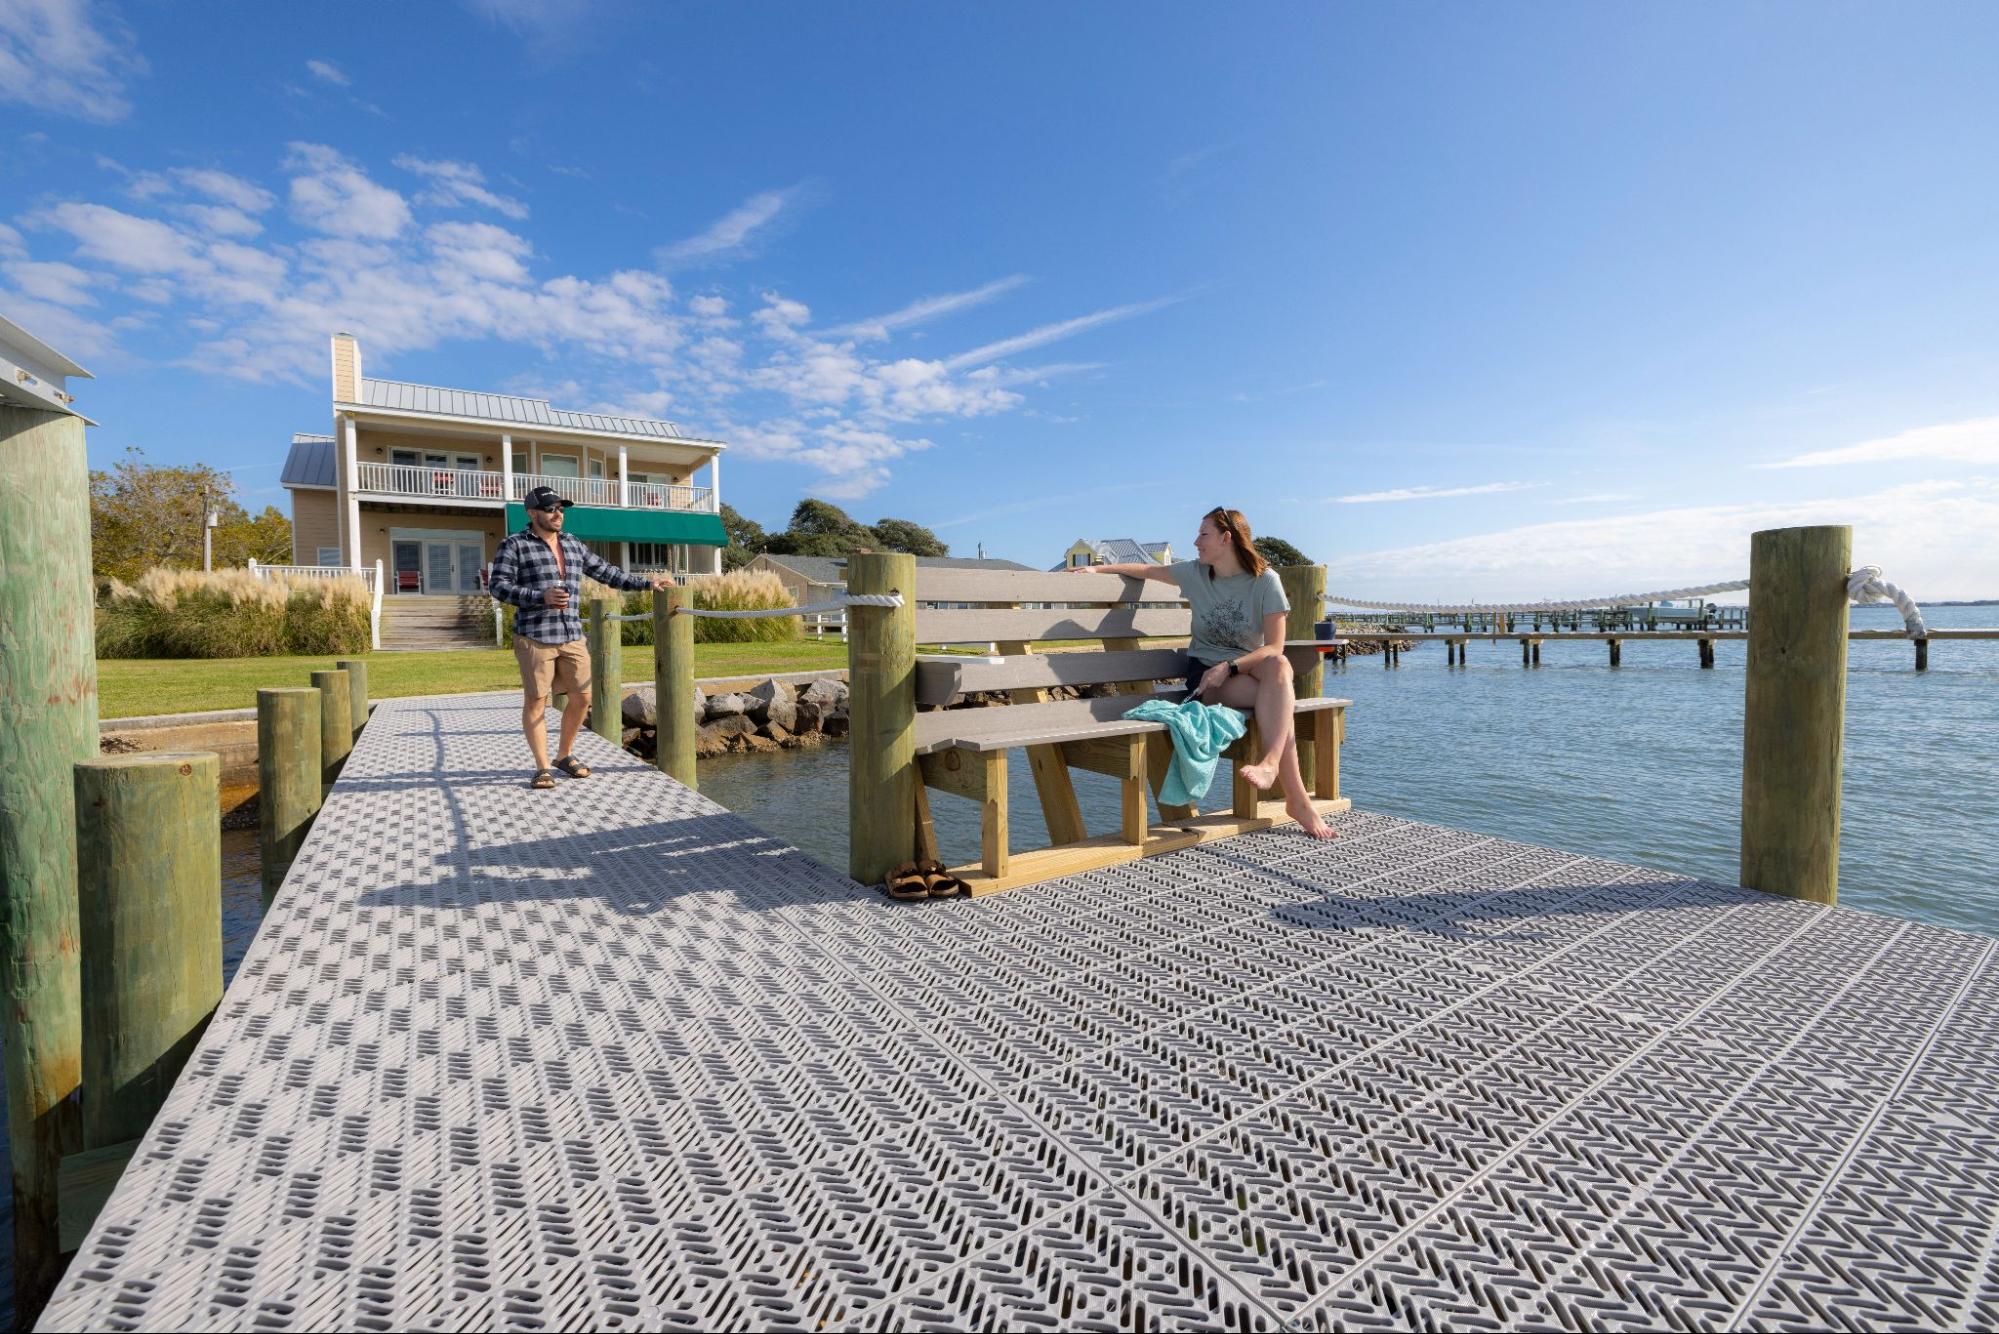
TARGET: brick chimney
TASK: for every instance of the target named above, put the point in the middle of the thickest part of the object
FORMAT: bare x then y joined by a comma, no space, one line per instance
346,369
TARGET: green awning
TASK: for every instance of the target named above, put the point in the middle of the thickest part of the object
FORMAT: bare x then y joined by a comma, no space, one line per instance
595,524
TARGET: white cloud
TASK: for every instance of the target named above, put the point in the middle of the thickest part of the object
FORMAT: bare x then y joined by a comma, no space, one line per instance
1050,333
708,307
1432,492
224,188
453,183
64,284
1600,498
334,196
1938,539
733,231
930,308
1975,441
65,58
138,245
328,72
537,18
11,244
221,219
481,250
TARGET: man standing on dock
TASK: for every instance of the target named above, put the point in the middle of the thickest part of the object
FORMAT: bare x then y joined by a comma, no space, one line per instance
540,570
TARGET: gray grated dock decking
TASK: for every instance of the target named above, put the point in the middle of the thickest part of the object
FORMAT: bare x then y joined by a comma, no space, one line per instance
609,1057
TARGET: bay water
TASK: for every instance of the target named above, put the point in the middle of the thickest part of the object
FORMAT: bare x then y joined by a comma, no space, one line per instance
1641,763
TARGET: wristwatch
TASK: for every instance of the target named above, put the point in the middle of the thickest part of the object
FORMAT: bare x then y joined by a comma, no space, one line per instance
1232,667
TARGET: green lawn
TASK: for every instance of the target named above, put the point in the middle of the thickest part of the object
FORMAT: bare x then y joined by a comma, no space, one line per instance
134,687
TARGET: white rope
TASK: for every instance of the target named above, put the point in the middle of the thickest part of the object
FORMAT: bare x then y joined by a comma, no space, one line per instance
1578,604
1866,585
843,601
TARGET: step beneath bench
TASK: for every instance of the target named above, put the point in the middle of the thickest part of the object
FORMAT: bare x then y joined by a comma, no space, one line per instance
1005,726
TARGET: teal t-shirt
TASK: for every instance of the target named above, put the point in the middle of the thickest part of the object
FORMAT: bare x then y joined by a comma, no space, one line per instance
1228,613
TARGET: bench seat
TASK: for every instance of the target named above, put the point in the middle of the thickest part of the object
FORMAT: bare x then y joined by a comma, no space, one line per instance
1005,726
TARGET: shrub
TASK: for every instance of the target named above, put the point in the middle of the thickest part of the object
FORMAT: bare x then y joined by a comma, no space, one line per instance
231,614
738,590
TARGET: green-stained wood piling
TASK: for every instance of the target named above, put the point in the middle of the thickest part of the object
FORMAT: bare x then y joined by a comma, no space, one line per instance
357,691
289,776
881,708
336,726
607,669
1305,590
48,721
673,685
1794,711
149,891
1922,655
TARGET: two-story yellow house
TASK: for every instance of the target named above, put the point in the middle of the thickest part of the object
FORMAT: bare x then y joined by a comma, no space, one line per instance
428,481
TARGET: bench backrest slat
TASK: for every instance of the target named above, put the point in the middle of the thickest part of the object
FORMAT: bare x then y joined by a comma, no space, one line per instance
975,625
942,682
1043,586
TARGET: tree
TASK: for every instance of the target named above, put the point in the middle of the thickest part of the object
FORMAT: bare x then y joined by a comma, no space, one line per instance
1281,553
902,535
144,515
746,539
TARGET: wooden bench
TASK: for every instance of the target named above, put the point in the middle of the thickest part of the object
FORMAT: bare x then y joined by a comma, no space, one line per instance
965,751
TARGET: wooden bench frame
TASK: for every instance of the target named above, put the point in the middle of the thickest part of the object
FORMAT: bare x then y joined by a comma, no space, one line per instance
965,752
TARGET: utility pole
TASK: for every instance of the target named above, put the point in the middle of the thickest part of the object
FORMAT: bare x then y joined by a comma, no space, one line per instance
207,533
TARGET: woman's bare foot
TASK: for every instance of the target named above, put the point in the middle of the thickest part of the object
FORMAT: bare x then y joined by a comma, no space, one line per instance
1260,776
1309,822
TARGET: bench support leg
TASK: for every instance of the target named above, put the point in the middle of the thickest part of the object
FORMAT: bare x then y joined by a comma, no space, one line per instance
1051,773
1158,759
926,828
1246,751
1133,784
992,816
1329,728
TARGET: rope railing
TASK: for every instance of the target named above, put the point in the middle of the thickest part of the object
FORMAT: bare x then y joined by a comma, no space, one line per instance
764,613
1864,585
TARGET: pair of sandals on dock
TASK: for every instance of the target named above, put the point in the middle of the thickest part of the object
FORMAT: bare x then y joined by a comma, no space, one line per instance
924,879
544,779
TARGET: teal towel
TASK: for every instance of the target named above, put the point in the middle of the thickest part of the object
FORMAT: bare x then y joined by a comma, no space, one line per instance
1200,732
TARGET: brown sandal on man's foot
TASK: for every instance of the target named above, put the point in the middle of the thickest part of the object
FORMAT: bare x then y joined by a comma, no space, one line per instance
542,781
906,884
572,766
942,884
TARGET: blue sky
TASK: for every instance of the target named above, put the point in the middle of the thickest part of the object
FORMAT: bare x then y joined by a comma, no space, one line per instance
1466,301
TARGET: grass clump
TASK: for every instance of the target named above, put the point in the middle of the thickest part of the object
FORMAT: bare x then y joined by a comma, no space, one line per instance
231,614
738,590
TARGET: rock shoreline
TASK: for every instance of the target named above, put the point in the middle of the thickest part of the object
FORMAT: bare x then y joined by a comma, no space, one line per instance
773,716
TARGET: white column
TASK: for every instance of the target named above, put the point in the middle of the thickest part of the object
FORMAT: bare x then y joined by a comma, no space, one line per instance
715,489
506,469
624,478
351,451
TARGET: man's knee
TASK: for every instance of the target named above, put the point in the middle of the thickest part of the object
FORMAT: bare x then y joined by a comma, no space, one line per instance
579,698
534,706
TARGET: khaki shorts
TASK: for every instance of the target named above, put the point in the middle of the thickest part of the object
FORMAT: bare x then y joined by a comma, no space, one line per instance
563,667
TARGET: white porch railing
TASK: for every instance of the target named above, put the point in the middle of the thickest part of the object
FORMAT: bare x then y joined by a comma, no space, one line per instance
370,577
435,483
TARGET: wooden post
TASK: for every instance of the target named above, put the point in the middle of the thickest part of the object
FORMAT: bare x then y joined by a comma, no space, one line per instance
1616,652
1305,590
881,711
1707,653
149,887
357,690
1537,653
1526,654
48,721
1794,711
336,726
673,685
1922,655
992,812
607,669
288,778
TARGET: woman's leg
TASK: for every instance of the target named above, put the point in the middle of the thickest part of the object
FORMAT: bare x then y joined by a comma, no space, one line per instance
1270,693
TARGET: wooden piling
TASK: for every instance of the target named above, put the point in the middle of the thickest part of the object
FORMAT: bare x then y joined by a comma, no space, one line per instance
1305,590
149,893
1794,711
336,724
357,691
673,685
289,775
1537,653
1707,653
1922,655
1526,654
607,669
1616,652
881,692
48,721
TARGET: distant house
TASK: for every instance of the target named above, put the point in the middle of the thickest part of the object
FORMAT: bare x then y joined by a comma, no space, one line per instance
1115,551
428,481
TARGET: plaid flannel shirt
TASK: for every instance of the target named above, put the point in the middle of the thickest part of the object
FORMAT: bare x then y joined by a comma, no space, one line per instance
524,569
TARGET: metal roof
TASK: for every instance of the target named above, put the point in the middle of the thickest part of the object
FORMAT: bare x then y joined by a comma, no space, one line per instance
310,463
398,396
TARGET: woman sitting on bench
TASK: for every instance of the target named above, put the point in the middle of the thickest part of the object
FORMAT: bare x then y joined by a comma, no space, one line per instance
1238,648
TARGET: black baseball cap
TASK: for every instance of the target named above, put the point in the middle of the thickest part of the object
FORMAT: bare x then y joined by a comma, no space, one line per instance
547,498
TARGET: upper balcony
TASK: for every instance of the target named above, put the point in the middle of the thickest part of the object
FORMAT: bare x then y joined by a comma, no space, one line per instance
403,481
